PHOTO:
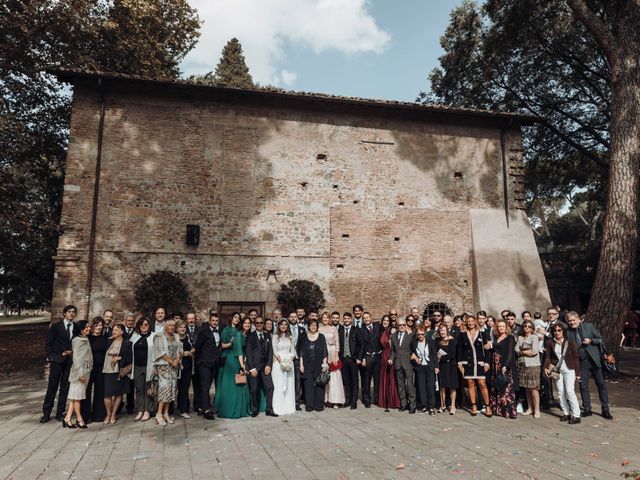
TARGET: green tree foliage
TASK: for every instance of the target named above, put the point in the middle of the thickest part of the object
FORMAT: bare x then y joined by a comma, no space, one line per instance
534,57
147,38
300,294
543,58
162,288
231,70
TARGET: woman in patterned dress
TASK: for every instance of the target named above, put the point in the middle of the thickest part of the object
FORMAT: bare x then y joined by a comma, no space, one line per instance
503,361
167,355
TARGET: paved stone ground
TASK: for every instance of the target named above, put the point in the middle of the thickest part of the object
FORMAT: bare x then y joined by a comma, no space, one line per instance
335,444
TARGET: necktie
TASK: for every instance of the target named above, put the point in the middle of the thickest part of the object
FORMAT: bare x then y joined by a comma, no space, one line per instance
400,341
347,348
370,328
69,330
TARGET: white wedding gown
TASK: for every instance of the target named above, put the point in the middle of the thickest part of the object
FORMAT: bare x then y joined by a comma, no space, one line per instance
284,389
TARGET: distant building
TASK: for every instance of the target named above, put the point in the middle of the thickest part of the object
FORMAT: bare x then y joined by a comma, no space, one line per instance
381,203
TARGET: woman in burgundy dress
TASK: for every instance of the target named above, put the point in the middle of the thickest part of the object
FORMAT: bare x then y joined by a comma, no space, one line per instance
388,397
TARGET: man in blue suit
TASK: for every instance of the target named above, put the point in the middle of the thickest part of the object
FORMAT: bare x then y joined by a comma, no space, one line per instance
588,339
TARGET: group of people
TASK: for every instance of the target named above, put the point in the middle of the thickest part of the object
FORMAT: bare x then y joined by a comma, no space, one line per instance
431,363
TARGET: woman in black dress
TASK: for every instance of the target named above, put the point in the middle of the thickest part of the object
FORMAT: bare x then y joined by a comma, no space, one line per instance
313,361
448,376
142,367
115,383
92,407
503,362
186,373
473,362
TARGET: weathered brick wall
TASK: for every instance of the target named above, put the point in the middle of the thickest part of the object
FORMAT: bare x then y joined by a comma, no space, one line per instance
273,189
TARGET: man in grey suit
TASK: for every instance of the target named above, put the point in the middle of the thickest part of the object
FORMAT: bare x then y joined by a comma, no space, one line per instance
401,360
588,339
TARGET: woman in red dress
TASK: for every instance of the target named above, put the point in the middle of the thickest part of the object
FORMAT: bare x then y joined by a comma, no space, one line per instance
388,397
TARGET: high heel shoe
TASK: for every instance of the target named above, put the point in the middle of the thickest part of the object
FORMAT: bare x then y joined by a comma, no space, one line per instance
81,425
474,410
488,412
66,424
452,411
160,420
168,419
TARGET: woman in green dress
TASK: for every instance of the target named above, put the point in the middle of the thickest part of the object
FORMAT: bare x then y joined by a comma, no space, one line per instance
232,400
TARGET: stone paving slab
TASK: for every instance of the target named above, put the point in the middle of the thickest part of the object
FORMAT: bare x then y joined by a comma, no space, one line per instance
337,444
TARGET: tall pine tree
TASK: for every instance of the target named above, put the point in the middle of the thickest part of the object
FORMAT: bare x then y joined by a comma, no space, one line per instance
231,70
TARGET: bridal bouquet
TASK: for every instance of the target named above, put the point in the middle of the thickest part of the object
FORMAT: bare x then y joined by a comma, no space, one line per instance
286,365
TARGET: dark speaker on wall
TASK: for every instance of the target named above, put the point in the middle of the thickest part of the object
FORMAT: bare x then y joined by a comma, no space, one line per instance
193,234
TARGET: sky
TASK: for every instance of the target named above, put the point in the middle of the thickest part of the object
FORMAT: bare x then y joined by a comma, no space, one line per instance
380,49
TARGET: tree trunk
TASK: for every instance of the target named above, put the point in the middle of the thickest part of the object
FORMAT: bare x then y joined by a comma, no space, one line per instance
612,291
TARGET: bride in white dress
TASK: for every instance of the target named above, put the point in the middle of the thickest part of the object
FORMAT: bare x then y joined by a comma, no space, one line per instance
284,391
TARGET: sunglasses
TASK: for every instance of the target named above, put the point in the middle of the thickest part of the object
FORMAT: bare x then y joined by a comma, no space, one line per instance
421,334
558,330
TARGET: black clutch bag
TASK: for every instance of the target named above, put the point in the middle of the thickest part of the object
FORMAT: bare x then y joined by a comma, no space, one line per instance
322,379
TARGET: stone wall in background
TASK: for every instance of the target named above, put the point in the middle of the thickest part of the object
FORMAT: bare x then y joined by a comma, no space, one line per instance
276,189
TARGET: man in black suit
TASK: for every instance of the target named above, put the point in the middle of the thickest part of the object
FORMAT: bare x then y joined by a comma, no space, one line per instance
588,339
349,354
369,358
108,317
192,331
298,333
259,360
401,360
207,347
58,350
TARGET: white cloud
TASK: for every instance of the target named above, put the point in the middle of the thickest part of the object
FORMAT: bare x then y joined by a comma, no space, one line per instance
288,77
264,27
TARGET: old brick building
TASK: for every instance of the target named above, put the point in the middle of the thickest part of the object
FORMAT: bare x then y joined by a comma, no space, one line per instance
382,203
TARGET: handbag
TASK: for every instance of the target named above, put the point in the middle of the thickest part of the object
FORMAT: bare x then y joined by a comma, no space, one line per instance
322,379
241,379
608,361
554,370
501,381
152,388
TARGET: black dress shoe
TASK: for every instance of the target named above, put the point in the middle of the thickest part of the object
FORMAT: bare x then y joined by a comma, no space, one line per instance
586,413
353,407
386,409
564,418
59,418
271,414
45,419
254,414
298,408
412,411
402,409
209,415
367,405
574,420
606,414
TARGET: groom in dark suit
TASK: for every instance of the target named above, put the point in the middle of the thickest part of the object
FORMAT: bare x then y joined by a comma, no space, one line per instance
589,340
369,358
58,350
258,363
